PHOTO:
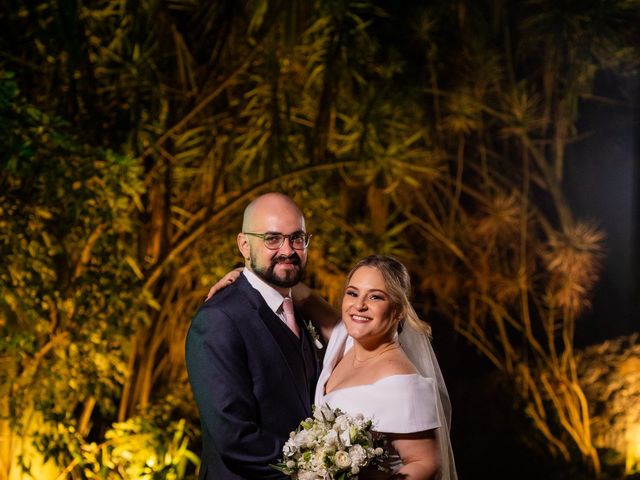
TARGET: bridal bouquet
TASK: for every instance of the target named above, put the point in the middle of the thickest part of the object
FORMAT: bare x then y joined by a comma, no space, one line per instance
330,446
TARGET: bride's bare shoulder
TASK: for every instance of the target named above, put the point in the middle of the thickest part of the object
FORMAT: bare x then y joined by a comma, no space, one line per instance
396,363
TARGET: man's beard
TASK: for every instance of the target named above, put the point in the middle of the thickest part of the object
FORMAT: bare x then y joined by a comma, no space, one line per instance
268,274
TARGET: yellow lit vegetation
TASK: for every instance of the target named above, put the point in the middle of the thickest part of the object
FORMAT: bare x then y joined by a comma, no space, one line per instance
135,133
609,374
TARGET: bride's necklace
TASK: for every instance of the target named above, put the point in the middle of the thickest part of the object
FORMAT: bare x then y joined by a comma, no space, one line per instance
357,363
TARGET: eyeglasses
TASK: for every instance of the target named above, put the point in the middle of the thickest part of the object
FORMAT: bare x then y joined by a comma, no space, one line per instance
273,241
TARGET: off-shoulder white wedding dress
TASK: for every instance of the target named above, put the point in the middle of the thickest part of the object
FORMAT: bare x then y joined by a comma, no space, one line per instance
396,404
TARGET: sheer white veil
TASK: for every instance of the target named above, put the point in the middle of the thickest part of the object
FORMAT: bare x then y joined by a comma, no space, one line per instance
418,348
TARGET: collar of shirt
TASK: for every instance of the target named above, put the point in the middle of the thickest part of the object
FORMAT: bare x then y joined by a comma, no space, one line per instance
270,294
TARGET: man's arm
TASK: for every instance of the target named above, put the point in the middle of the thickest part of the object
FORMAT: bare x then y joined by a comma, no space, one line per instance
221,383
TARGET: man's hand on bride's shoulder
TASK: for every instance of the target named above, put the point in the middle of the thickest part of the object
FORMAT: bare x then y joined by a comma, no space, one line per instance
225,281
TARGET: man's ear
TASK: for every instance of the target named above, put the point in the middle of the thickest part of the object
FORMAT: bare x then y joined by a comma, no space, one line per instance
243,246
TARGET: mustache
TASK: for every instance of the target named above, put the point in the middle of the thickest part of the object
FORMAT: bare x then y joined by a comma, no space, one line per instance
293,258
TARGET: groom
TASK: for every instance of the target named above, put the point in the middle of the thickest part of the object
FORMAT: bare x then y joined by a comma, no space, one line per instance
251,364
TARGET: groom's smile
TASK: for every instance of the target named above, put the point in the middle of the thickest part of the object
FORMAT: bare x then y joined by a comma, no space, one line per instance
285,267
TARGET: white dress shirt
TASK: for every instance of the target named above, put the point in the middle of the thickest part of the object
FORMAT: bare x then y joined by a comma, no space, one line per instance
270,294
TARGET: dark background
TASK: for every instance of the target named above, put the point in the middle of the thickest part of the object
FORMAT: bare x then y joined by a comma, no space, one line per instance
490,432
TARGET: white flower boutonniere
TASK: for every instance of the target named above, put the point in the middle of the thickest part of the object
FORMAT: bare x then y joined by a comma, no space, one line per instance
313,333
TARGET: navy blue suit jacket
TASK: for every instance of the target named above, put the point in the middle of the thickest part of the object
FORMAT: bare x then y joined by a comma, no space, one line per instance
253,381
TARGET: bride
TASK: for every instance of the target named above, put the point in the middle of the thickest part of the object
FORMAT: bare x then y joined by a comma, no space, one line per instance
379,362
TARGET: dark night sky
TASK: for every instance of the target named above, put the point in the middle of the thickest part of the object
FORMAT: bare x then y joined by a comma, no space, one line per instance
601,182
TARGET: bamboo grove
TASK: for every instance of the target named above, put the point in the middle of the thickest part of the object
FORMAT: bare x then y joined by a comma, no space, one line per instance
135,132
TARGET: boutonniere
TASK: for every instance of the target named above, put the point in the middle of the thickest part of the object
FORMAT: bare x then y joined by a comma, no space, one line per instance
313,333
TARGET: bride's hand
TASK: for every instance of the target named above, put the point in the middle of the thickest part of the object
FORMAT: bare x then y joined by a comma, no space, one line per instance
225,281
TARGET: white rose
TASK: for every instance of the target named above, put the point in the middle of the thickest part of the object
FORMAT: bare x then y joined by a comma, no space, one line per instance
346,438
355,469
378,451
303,438
323,414
317,414
304,475
289,447
328,413
342,459
291,464
331,438
342,422
358,455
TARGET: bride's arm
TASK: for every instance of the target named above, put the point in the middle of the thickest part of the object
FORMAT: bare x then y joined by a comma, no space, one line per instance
225,281
315,308
419,454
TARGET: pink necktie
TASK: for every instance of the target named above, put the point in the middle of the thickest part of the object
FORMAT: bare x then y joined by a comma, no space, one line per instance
290,318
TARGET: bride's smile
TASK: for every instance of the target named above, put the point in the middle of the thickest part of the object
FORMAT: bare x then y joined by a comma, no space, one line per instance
360,318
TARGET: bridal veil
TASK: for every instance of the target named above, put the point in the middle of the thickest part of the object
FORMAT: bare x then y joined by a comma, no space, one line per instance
417,347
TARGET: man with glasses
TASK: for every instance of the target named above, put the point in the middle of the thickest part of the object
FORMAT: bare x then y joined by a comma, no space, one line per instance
250,359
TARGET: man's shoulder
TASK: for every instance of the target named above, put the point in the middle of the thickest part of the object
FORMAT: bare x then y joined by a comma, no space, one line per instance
237,296
223,311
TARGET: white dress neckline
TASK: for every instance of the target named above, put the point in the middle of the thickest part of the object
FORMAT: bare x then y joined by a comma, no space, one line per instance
401,403
372,383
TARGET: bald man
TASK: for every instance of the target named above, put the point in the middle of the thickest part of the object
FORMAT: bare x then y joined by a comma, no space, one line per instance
251,361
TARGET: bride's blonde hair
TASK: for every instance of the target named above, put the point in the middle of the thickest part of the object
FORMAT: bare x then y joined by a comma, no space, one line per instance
398,284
